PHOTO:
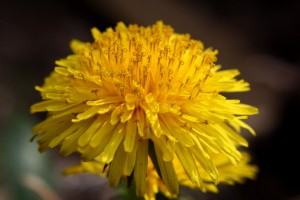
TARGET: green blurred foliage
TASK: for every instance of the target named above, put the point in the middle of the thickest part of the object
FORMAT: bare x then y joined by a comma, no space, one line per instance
19,158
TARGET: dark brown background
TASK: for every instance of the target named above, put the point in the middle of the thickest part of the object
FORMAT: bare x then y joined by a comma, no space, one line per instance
258,37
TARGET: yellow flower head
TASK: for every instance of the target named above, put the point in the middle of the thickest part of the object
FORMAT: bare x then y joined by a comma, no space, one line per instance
140,91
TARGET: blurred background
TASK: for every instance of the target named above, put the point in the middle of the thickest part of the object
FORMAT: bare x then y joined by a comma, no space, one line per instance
259,38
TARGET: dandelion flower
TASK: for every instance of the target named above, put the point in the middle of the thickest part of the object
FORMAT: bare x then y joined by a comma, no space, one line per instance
138,87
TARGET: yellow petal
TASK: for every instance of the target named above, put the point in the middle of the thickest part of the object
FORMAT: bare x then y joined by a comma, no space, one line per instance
96,33
130,160
116,167
116,138
140,169
70,143
206,163
64,134
49,105
130,101
103,101
85,138
168,173
165,145
105,129
179,131
126,115
76,109
86,114
116,113
130,135
140,122
188,163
